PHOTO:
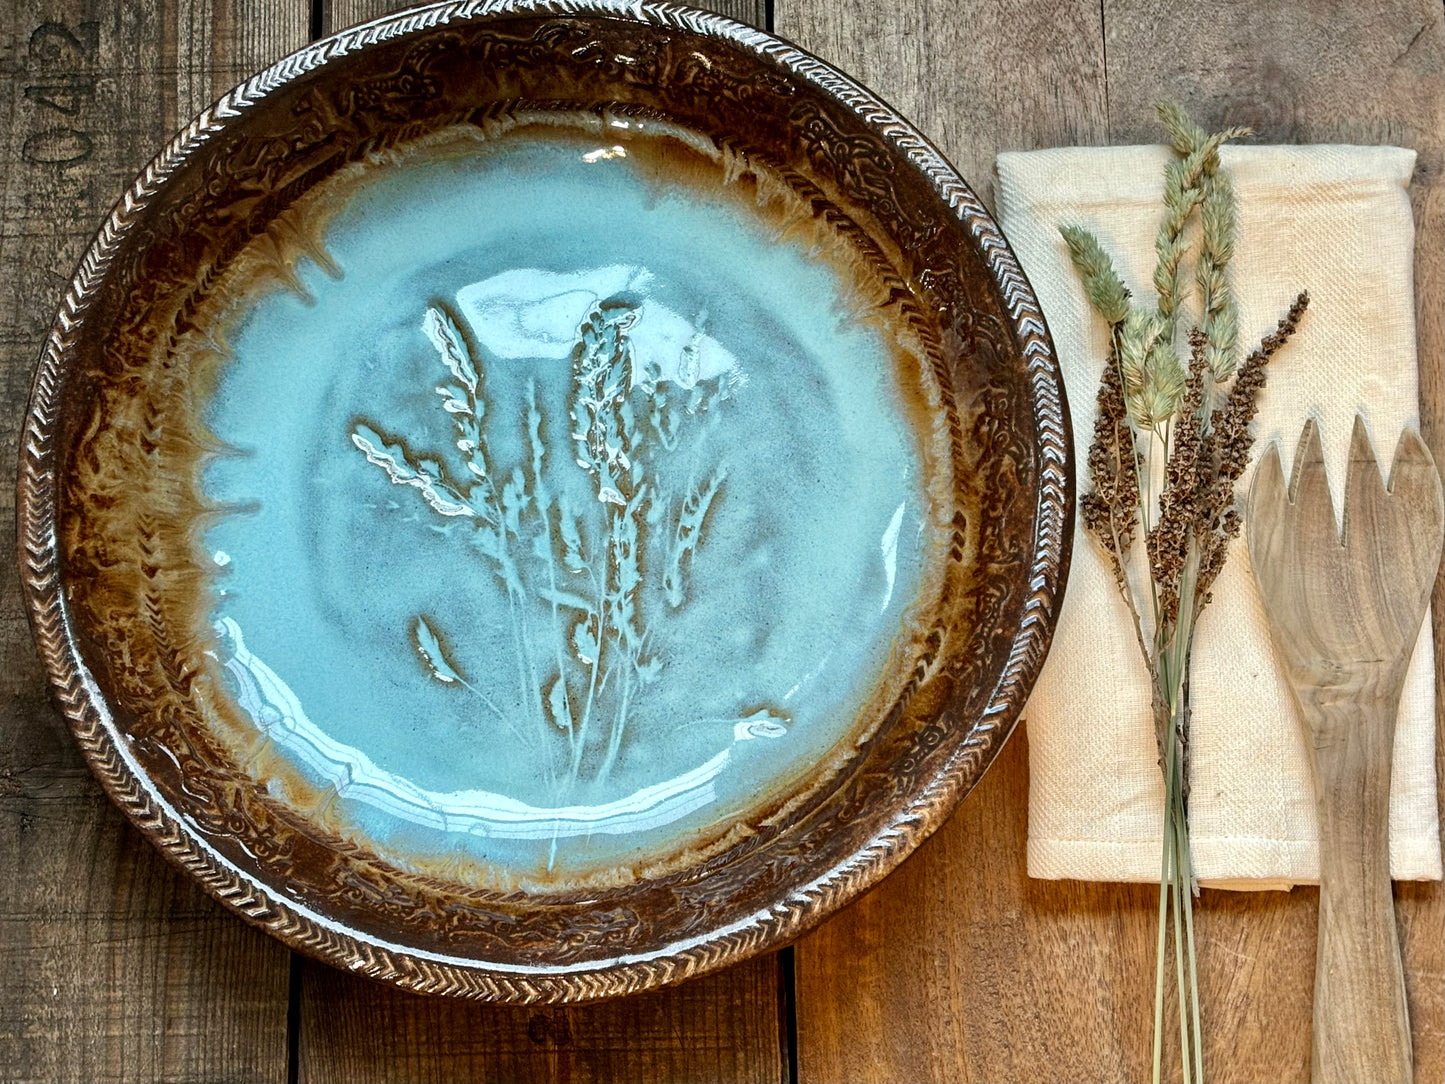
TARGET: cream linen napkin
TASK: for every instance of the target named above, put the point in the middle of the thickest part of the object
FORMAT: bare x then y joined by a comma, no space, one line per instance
1335,221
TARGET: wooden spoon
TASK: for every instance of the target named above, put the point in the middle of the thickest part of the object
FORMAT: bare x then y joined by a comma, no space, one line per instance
1344,616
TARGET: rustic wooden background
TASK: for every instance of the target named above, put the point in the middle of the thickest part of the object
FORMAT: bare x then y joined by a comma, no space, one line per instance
113,967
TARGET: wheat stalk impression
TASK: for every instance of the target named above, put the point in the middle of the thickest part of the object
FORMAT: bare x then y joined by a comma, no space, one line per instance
1170,442
580,670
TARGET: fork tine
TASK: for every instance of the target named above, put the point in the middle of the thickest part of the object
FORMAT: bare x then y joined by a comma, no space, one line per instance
1313,512
1414,477
1415,493
1378,537
1268,513
1364,488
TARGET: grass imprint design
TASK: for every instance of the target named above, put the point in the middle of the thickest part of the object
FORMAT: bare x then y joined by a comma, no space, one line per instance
606,573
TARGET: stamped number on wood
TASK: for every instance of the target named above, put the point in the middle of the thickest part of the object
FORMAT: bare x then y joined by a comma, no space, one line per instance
61,58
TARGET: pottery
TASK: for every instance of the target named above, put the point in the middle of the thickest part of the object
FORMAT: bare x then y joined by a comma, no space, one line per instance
538,500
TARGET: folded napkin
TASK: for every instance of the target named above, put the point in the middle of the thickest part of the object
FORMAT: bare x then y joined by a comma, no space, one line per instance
1335,221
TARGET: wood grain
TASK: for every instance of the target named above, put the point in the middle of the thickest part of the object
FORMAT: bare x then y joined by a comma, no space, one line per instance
115,967
218,43
959,967
1344,618
1362,73
975,78
339,14
721,1027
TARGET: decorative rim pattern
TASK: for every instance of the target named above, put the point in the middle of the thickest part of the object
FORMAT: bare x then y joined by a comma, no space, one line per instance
105,746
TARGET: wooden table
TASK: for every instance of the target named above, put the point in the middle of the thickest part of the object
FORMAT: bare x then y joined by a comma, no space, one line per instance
959,967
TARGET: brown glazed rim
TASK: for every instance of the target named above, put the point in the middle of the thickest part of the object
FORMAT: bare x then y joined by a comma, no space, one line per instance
105,747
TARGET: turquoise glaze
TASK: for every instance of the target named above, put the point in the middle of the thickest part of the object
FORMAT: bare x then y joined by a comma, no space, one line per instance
570,514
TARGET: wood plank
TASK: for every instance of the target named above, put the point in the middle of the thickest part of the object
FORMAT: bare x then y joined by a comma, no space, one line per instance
339,14
723,1027
959,967
115,966
1314,73
975,78
218,43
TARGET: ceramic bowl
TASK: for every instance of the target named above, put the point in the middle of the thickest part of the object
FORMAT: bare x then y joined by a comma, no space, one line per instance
535,500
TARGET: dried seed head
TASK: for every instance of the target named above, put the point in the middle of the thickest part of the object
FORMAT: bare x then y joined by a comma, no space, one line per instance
1102,285
1138,335
1218,520
1186,137
1110,510
1182,193
1216,248
1241,404
1217,217
1187,184
1163,385
1184,134
1168,542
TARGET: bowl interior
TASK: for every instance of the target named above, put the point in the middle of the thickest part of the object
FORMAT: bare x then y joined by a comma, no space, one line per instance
788,189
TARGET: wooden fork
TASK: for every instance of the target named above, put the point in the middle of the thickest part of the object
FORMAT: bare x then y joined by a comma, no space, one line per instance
1344,614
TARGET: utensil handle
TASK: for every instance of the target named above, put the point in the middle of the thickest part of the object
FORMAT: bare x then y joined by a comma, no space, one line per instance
1361,1020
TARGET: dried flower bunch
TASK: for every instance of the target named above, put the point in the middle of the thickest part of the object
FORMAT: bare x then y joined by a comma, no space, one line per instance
1171,440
